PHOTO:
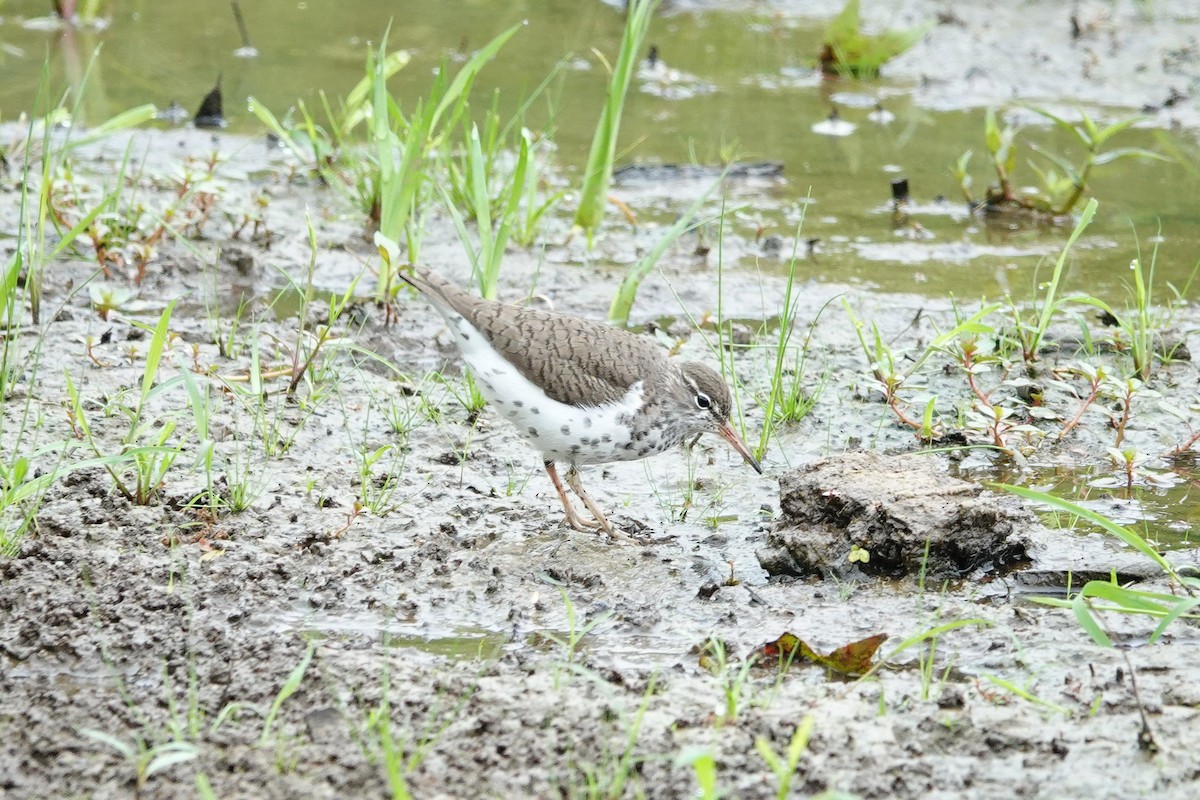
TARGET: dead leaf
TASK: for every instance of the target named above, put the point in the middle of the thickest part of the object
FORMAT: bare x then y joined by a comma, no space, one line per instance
850,659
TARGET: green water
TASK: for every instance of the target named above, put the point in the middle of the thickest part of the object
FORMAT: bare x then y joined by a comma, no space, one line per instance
763,102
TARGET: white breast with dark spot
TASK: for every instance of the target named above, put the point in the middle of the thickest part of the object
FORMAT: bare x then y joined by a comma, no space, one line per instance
561,432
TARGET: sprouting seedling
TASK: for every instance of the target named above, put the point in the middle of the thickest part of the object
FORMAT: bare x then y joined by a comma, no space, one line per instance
146,759
107,298
1063,184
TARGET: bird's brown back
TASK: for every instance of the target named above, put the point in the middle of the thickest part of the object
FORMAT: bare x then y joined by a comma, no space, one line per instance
575,360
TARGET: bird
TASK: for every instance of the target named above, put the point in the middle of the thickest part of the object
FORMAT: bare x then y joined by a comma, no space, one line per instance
580,391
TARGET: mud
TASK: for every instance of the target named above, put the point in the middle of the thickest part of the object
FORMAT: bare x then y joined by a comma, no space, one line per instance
903,512
162,623
445,626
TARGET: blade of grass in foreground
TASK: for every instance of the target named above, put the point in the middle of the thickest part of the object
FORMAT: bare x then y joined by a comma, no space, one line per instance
1126,535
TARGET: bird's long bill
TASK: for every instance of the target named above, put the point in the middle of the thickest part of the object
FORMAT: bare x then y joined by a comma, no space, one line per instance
730,436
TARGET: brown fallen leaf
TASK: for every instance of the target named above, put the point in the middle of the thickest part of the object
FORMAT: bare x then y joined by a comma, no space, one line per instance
850,659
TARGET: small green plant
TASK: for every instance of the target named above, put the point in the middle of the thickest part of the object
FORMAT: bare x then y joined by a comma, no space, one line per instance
593,195
147,445
1026,695
894,382
927,648
1030,333
409,405
269,412
245,478
324,148
290,686
377,492
402,145
1060,193
923,636
107,298
1139,329
199,402
144,758
617,772
466,395
848,52
37,143
569,643
704,766
788,399
1110,596
732,677
308,347
536,200
785,768
387,749
494,219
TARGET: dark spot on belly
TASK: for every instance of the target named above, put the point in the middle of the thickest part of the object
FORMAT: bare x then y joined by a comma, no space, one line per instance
606,438
629,445
466,336
518,403
587,422
533,432
534,410
574,449
643,451
566,430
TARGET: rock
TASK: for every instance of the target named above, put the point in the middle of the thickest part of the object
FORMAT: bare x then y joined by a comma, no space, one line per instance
883,510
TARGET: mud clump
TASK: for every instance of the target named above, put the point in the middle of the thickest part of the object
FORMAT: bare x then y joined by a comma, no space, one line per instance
882,510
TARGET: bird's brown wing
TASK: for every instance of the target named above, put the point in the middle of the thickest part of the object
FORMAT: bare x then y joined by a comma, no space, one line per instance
575,360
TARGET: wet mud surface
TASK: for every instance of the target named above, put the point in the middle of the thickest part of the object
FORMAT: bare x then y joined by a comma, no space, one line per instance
455,601
442,626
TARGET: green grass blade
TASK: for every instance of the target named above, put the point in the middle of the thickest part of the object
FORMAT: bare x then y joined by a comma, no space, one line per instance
158,343
622,302
598,173
126,119
1177,611
461,84
1084,614
1126,535
290,687
1048,304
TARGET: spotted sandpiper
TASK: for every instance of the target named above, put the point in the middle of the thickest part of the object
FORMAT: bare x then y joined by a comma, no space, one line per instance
580,391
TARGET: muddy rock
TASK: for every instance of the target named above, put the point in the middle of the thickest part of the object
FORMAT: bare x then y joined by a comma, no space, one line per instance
884,510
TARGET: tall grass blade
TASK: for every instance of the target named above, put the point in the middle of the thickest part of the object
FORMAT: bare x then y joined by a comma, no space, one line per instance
622,302
598,173
290,687
1126,535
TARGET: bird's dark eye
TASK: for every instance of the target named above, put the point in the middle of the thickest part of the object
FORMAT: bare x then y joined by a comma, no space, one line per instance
702,400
